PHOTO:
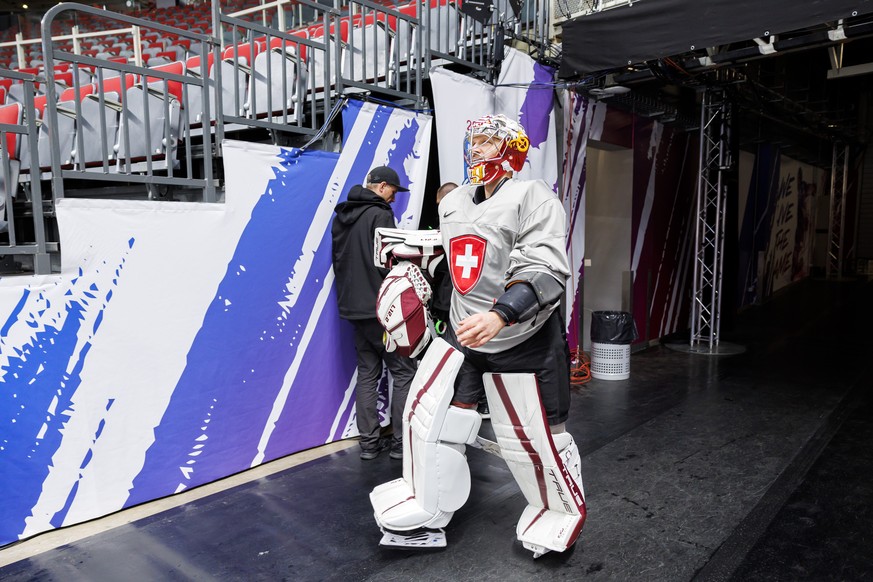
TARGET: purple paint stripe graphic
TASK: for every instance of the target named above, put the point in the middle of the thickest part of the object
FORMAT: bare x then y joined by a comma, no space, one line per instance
538,103
577,144
249,338
249,342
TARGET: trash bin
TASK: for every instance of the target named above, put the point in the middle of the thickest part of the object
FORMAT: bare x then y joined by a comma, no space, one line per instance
612,333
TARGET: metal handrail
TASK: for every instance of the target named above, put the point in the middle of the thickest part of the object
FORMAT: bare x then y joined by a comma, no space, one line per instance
39,248
125,174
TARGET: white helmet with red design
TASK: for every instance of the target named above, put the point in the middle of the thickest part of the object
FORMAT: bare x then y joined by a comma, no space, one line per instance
508,154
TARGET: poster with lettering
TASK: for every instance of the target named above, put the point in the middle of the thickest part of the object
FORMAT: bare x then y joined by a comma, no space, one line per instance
809,185
788,254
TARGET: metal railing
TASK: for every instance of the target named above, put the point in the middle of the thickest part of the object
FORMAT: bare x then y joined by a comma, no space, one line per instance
15,241
127,98
251,97
837,211
77,37
124,125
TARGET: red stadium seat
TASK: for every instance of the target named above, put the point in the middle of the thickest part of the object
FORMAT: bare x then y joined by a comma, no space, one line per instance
174,87
317,30
408,10
193,64
290,44
70,93
244,50
39,104
113,85
65,77
11,115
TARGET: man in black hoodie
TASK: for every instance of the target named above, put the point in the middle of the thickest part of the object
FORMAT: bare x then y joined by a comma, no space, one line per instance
357,283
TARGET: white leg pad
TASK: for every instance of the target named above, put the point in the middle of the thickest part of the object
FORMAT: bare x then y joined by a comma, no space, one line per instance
436,478
546,468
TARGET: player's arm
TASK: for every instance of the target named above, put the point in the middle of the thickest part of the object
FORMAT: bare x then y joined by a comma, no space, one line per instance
538,262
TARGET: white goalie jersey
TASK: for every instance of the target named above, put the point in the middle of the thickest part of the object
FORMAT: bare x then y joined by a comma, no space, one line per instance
520,229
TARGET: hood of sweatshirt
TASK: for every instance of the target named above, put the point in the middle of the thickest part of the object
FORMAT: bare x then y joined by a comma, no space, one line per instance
359,200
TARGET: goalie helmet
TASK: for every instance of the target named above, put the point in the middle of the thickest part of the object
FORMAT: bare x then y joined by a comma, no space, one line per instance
510,145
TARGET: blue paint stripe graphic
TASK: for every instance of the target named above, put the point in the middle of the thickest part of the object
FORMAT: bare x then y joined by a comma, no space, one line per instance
13,317
404,146
239,358
36,394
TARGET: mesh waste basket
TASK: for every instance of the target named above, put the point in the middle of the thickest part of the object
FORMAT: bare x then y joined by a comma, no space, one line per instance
612,333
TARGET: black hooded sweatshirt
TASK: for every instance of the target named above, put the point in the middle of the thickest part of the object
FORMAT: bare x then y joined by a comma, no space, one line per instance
354,227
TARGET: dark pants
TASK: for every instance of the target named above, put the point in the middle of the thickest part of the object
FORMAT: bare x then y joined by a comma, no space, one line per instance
545,354
371,353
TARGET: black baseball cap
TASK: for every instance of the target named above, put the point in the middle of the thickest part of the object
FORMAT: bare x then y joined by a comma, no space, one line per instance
381,174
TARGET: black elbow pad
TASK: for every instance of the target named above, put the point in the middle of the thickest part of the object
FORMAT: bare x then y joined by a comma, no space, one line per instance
518,303
548,290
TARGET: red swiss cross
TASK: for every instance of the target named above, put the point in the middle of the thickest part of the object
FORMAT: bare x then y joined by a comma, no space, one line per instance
466,257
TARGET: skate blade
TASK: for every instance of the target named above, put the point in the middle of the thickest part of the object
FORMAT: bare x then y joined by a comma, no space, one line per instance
538,551
424,540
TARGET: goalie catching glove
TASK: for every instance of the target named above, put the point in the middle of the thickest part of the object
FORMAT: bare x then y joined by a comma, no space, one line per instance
401,305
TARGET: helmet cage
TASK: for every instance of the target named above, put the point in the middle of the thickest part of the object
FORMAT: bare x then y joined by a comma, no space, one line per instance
511,144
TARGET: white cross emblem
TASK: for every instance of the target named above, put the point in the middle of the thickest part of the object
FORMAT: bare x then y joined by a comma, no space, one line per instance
468,261
467,254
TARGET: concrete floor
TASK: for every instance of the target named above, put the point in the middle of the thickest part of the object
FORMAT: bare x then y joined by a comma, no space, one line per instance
750,467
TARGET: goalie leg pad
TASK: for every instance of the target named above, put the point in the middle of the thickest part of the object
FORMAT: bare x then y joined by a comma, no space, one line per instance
436,478
546,468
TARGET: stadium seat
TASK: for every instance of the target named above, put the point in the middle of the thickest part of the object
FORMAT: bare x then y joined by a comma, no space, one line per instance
444,27
113,84
371,38
11,115
140,138
174,88
194,104
276,92
98,137
70,93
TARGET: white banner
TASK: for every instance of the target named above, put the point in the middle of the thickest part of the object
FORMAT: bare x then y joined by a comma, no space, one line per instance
524,92
180,341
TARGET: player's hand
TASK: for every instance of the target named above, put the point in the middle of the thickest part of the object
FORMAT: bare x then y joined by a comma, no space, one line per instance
477,330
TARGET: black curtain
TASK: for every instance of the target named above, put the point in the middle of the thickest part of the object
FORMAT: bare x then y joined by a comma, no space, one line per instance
651,29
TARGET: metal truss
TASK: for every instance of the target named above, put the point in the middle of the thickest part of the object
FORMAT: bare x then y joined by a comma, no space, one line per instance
839,183
715,161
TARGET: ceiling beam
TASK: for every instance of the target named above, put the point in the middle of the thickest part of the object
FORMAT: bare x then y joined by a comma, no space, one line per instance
852,71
